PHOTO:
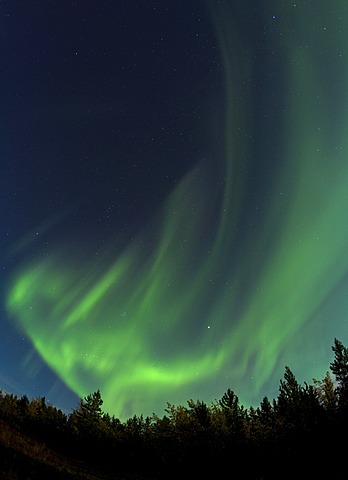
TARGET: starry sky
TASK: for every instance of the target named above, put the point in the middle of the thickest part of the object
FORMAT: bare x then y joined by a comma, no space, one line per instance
174,192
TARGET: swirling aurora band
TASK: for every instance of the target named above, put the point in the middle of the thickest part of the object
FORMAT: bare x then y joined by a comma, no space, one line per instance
215,294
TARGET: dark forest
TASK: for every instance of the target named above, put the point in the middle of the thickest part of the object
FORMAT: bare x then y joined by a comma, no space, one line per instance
299,434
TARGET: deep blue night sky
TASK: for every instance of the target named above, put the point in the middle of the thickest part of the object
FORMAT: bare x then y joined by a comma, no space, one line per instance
173,198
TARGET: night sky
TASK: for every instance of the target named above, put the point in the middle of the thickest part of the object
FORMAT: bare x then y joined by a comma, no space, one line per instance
174,198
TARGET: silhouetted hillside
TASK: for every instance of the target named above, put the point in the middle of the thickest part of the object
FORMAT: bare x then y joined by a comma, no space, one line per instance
299,434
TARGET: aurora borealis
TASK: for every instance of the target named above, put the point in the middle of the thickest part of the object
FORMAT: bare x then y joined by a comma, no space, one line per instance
176,278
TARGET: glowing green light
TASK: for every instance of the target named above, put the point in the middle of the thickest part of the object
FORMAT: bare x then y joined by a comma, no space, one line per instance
197,311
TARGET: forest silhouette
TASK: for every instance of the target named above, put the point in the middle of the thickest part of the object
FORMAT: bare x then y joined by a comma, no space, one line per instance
299,434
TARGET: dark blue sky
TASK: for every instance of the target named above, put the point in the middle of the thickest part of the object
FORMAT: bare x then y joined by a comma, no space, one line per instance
102,117
104,98
173,179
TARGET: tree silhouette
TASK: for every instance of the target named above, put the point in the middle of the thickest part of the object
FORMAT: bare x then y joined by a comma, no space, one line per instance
339,368
325,389
87,417
302,426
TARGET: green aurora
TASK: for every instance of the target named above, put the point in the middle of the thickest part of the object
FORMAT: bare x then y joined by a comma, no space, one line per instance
214,293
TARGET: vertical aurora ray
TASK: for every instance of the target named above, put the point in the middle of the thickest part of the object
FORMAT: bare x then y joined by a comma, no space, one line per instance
217,295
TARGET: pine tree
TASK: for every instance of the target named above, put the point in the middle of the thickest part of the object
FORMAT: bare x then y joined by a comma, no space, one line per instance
86,418
326,392
289,397
235,415
339,368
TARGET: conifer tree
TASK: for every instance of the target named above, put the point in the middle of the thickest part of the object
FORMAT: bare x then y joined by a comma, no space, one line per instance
88,414
339,368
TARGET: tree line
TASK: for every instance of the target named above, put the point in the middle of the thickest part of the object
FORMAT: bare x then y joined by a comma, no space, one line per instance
301,433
